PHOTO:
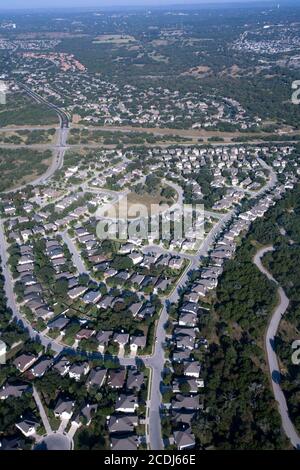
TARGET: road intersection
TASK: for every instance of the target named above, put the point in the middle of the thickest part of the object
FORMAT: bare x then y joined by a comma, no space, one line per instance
155,361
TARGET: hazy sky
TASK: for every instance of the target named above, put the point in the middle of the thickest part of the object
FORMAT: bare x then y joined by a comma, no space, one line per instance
10,4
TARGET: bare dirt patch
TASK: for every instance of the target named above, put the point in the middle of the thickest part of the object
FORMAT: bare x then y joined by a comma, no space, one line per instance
133,206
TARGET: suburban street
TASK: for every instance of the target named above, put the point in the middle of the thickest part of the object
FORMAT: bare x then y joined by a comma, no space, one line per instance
77,259
42,412
155,361
11,301
279,311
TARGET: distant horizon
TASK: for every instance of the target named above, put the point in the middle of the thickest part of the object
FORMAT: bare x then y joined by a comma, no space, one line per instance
73,4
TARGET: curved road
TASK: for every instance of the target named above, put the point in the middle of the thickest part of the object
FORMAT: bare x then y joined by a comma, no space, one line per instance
157,360
59,149
11,301
280,310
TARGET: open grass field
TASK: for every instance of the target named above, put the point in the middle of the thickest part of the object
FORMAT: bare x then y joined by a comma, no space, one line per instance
133,205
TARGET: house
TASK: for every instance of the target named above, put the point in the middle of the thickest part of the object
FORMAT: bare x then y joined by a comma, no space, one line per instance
59,323
28,426
77,292
181,355
116,378
136,257
176,263
200,289
210,283
39,230
106,302
192,369
126,403
56,254
44,312
62,366
187,319
109,273
13,390
192,297
102,267
64,275
149,281
9,209
64,408
77,370
25,234
135,308
41,367
34,290
26,250
122,276
85,334
89,245
28,280
135,379
72,282
162,285
185,338
12,443
96,377
189,307
192,384
15,236
92,297
187,402
182,417
81,231
149,260
50,228
138,342
25,268
126,248
103,338
96,259
211,272
121,338
24,361
33,302
184,439
86,414
137,279
148,310
26,259
130,442
122,423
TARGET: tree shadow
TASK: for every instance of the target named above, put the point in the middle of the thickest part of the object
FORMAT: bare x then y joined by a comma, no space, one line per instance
276,376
